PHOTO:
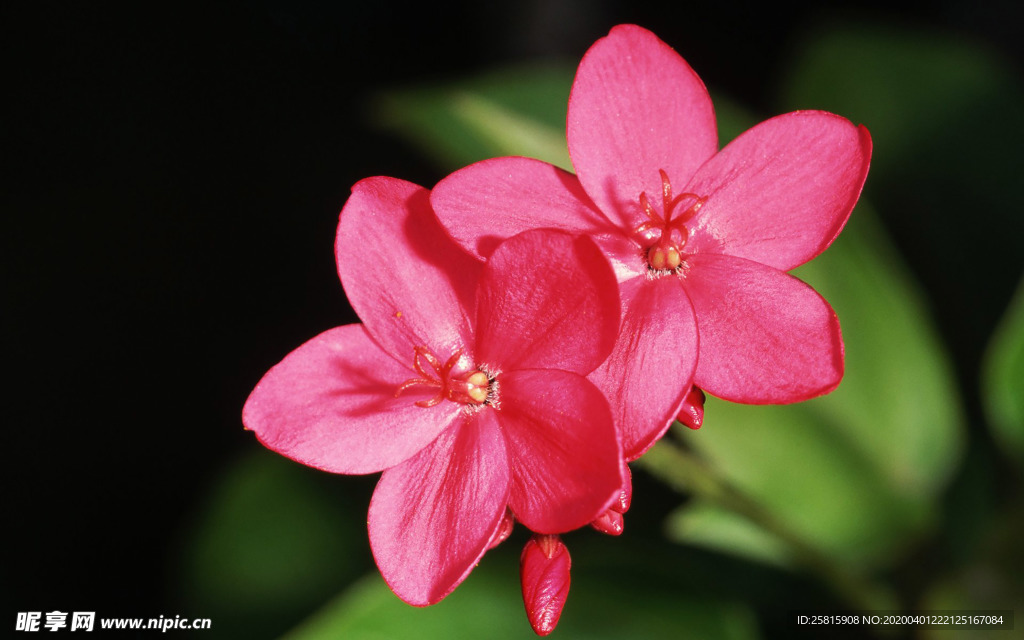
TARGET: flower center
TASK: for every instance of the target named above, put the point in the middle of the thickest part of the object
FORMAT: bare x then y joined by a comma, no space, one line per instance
471,387
664,256
665,233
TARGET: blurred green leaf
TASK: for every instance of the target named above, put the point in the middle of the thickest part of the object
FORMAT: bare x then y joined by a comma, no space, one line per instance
489,605
910,87
898,402
1003,379
710,526
732,118
509,112
268,547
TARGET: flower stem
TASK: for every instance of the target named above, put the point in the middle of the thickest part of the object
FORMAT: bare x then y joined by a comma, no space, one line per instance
687,473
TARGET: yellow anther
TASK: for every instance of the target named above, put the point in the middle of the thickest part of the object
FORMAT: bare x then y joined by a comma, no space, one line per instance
477,387
664,258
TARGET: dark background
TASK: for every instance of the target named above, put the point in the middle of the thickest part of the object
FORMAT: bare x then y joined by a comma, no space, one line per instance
172,182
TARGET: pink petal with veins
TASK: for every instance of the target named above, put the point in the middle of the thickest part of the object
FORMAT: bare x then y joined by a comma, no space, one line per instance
562,447
650,369
432,517
780,193
409,283
765,336
487,202
636,107
331,404
548,300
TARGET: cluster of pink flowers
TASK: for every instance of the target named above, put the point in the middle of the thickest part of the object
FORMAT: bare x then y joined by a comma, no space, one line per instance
527,332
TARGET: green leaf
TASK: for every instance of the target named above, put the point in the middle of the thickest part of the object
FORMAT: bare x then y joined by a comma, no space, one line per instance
268,546
856,472
489,605
710,526
510,112
732,118
909,87
1003,379
898,402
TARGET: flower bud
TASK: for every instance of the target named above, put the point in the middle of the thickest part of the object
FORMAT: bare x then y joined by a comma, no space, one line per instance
544,573
610,522
503,531
692,413
626,495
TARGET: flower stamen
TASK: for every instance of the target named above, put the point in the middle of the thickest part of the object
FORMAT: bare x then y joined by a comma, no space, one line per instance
472,387
671,234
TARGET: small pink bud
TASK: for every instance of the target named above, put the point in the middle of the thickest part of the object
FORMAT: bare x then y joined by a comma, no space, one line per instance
503,531
692,413
626,495
544,572
610,522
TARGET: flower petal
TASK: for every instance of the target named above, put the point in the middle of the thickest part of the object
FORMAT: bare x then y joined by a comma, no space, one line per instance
330,404
780,193
548,300
562,447
432,517
487,202
648,373
627,257
409,283
636,107
765,336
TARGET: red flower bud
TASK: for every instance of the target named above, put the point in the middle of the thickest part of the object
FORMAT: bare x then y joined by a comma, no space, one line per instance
544,572
610,522
626,495
692,413
503,531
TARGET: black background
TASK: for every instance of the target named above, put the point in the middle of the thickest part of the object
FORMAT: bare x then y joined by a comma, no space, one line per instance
172,182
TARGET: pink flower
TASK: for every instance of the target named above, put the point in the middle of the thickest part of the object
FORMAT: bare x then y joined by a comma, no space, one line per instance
700,238
465,384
